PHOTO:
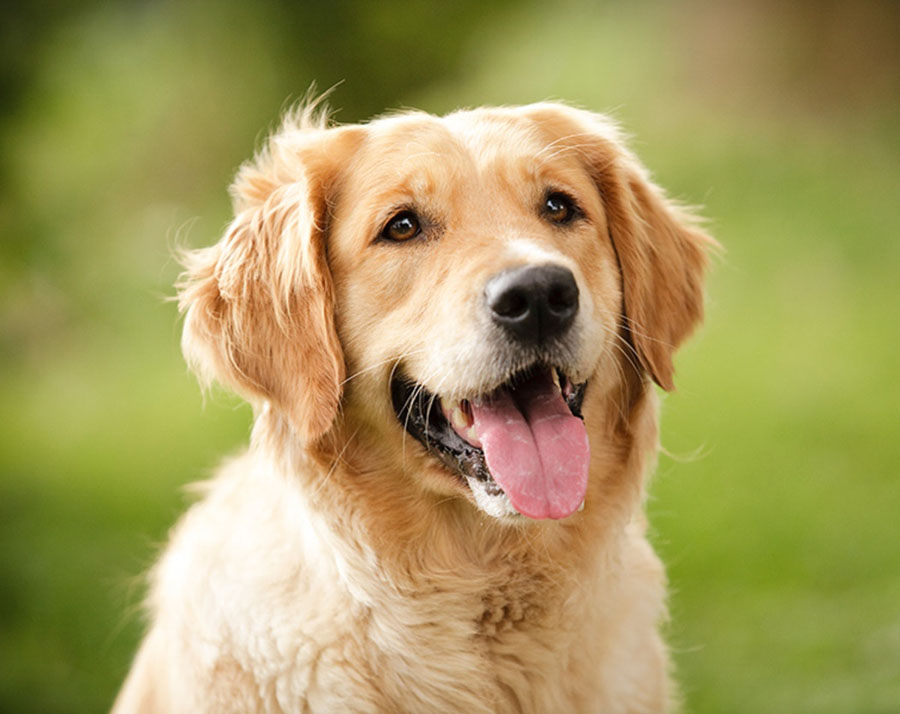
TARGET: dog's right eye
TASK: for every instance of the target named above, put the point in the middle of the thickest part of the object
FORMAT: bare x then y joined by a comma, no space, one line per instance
402,227
559,208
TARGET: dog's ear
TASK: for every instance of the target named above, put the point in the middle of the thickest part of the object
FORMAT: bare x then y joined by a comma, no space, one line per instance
662,257
660,248
259,303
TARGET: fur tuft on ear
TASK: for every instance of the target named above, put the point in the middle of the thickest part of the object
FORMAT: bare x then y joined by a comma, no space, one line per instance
258,304
661,250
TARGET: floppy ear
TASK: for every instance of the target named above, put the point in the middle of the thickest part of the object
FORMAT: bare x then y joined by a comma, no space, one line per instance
259,304
661,251
662,257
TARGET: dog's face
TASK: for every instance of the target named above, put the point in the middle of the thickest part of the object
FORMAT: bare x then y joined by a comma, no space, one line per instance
465,281
478,272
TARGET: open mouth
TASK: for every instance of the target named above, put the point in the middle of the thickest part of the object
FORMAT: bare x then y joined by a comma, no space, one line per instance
522,448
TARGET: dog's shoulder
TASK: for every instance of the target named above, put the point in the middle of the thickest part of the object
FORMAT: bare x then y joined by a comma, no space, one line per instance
249,589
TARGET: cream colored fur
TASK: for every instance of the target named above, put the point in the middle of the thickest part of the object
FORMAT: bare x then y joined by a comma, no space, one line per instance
336,566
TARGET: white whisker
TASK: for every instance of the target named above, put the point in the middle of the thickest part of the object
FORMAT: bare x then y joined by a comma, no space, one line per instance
383,362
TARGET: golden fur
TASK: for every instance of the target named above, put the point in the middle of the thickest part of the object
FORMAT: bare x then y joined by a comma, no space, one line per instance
336,566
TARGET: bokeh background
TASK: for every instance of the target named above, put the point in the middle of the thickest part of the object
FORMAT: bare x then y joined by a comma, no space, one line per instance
776,504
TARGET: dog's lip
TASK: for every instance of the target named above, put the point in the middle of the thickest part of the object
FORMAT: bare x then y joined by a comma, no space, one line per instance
428,418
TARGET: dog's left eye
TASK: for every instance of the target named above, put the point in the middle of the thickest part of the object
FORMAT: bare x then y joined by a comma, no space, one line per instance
403,226
559,208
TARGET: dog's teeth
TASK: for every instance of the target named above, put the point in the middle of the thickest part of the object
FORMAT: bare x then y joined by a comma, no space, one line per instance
454,413
581,507
555,375
472,436
458,417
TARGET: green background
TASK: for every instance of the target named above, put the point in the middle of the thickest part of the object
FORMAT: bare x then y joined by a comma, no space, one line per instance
776,505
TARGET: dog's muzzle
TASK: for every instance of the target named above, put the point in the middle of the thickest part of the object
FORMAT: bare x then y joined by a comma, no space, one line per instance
520,444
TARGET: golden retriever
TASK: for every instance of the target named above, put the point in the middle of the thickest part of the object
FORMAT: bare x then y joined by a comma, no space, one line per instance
449,329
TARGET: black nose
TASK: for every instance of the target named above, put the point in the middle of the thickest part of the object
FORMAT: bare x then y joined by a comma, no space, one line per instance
533,303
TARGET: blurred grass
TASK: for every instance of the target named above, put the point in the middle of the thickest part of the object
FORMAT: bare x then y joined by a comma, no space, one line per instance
777,505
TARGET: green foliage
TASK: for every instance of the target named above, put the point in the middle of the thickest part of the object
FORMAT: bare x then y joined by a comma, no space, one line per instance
775,504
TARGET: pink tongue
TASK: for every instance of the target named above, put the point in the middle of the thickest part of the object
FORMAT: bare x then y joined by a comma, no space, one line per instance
536,450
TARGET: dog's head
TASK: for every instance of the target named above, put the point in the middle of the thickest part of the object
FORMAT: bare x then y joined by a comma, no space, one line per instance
467,280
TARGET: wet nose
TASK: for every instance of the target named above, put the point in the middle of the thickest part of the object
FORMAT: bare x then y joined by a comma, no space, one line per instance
533,303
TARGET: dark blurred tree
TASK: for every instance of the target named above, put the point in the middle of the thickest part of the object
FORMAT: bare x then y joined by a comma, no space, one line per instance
23,28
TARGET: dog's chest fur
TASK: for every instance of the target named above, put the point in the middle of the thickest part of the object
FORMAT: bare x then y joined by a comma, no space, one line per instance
499,636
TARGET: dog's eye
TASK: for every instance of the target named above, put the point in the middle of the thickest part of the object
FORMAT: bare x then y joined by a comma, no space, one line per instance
559,208
404,226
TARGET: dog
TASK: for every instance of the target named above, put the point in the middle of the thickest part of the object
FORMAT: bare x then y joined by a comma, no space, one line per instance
449,329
